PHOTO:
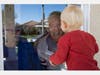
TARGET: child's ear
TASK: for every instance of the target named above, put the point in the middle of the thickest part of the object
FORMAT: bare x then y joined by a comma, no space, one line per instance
64,24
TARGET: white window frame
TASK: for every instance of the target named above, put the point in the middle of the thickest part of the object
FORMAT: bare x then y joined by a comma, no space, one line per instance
86,12
1,42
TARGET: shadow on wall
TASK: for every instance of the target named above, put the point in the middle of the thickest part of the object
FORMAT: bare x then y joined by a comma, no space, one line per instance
97,57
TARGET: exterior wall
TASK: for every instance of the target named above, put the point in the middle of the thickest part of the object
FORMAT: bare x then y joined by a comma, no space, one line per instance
95,26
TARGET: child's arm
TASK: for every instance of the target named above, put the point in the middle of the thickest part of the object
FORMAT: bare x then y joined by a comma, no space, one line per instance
61,53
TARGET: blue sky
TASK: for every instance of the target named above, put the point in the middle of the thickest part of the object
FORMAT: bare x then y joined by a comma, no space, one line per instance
28,12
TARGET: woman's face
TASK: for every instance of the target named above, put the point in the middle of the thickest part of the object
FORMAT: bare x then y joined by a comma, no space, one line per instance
54,28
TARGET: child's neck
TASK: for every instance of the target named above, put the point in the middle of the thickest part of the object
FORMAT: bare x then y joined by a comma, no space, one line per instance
74,29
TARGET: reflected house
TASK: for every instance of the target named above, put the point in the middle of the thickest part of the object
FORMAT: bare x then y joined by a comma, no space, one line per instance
39,26
28,27
32,27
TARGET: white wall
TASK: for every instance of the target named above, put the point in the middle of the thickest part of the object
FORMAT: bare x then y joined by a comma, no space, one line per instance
95,26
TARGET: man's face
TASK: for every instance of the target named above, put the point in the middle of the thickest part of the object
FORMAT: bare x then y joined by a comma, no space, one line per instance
54,28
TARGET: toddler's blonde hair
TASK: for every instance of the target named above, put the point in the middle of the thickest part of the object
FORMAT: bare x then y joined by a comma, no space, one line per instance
72,16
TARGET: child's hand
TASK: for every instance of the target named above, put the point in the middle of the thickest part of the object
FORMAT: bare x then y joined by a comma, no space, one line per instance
51,63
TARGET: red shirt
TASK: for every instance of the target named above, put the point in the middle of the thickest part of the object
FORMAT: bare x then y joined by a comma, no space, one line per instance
77,49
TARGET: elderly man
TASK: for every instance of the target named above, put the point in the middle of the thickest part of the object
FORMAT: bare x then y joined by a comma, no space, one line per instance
47,44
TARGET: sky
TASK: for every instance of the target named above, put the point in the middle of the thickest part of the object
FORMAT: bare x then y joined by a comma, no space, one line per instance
28,12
